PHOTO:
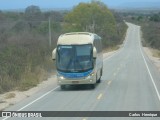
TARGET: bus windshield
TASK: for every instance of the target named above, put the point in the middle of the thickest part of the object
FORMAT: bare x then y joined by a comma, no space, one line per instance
74,58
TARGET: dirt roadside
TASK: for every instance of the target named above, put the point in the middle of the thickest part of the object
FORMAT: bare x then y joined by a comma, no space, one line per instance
10,98
155,60
13,97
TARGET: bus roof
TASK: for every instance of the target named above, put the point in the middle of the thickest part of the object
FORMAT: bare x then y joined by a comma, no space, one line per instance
76,38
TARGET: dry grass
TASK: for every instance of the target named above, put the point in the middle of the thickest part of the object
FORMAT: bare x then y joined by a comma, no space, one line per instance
10,95
32,79
155,53
113,48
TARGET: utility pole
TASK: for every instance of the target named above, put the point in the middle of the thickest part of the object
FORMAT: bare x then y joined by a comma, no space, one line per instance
49,29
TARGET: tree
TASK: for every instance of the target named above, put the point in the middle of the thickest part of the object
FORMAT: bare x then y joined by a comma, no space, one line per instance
56,16
92,17
155,18
32,12
1,16
33,15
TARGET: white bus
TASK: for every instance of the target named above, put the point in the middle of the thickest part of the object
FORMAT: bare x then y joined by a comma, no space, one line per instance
79,59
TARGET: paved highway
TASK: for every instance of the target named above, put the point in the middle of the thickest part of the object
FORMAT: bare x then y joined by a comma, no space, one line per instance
130,83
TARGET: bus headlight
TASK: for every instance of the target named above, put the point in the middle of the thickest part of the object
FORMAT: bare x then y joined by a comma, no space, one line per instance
90,76
60,76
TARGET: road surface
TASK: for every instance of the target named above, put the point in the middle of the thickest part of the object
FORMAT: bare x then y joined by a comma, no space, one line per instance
130,83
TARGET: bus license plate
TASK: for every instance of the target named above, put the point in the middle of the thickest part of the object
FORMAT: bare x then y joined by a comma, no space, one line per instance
75,82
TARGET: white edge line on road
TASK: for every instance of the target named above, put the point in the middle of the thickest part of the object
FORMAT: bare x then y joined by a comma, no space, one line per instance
34,100
38,99
158,95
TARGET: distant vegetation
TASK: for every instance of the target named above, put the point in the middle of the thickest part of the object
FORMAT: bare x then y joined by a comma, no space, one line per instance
150,23
25,53
97,18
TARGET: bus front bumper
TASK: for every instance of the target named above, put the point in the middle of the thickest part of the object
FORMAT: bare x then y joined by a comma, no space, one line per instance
66,81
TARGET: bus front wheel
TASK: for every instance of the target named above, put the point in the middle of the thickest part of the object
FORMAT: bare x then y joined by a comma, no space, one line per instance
99,80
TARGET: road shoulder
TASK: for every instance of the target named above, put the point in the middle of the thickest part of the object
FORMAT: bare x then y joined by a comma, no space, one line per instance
155,60
10,98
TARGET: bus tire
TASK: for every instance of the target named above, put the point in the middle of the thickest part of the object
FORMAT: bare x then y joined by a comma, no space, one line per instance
99,80
101,71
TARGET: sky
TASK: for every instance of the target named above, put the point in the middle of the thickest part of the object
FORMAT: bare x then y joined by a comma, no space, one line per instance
54,4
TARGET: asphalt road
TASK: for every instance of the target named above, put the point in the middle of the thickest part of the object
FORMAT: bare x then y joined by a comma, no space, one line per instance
130,83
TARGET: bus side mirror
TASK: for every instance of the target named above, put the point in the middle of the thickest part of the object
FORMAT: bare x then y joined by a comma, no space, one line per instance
94,53
54,54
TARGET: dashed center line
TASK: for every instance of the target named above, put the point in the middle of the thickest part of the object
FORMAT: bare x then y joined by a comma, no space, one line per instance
109,82
99,96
